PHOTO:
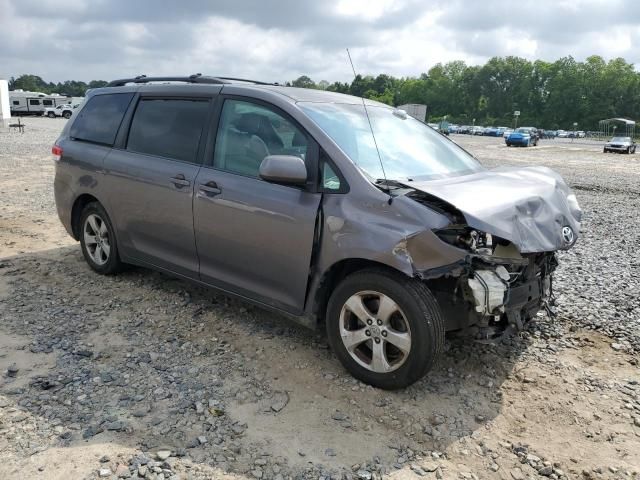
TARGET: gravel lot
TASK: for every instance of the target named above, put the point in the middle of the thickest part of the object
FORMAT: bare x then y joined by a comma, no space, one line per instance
144,376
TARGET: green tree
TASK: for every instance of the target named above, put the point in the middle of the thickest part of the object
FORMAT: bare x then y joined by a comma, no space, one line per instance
303,82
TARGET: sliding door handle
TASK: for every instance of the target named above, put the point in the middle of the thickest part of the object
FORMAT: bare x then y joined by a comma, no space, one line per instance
210,189
179,181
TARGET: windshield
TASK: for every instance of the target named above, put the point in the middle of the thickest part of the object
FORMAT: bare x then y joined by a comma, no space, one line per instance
409,149
621,139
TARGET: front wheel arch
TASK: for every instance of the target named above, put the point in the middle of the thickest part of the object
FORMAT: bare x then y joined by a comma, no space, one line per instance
333,275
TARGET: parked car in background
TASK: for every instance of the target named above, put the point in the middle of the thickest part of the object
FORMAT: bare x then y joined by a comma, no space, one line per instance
454,128
64,111
507,132
491,132
464,129
620,145
477,130
562,134
274,195
523,137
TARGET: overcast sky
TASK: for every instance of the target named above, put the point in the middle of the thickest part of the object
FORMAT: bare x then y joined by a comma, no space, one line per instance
280,40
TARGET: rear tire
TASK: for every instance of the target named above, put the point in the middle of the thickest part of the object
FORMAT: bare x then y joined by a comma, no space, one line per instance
98,240
405,335
51,115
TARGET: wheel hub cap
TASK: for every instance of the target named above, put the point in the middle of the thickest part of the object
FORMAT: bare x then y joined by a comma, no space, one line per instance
375,331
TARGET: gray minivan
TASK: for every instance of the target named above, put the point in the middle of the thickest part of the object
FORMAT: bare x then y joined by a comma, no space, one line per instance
331,209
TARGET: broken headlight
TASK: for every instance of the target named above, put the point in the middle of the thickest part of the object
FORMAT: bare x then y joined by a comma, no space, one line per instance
468,239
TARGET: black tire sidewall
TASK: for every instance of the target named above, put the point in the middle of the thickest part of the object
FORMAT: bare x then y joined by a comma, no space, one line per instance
422,313
113,264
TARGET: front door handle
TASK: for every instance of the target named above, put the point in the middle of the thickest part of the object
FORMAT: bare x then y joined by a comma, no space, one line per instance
210,189
179,181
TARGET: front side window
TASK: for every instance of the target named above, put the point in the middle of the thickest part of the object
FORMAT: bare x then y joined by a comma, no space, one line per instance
249,132
99,120
168,128
34,102
408,149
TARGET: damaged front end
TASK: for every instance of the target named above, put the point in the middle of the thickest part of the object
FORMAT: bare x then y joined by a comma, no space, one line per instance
507,223
495,288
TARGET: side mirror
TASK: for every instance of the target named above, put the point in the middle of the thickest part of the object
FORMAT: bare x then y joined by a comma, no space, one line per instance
285,169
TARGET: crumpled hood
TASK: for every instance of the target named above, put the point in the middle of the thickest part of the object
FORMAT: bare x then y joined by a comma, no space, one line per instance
528,206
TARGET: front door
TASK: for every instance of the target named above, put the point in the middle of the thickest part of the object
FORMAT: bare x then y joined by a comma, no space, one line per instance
150,183
255,238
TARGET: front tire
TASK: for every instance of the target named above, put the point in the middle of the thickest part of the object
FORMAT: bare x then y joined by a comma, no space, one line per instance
98,240
66,115
385,328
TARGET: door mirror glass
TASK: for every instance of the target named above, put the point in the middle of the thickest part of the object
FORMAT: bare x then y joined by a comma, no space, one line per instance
284,169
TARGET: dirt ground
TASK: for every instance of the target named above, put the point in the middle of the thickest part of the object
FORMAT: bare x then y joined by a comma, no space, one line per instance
111,371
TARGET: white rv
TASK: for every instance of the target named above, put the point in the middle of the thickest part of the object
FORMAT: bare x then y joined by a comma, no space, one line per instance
34,103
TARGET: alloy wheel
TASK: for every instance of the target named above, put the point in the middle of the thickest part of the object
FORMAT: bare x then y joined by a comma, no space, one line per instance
375,331
96,239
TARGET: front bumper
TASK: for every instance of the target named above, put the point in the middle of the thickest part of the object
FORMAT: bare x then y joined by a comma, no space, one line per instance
496,295
517,141
616,148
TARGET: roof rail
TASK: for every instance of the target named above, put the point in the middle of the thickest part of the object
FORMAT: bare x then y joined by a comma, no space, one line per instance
195,78
256,82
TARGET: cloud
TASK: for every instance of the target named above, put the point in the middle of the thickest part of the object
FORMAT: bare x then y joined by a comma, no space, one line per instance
279,40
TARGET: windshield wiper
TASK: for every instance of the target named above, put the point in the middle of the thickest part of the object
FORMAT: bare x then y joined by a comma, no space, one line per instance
390,183
393,187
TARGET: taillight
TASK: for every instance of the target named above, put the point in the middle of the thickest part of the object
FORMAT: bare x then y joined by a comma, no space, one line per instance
57,152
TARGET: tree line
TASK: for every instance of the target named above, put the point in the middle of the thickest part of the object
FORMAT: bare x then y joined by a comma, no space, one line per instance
549,95
34,83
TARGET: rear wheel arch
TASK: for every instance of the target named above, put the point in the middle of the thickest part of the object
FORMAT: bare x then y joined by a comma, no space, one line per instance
76,212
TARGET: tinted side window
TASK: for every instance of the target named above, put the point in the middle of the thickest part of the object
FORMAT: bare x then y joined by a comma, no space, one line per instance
16,102
100,119
168,127
47,102
34,102
249,132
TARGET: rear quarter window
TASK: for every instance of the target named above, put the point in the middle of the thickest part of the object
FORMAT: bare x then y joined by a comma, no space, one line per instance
169,128
99,120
